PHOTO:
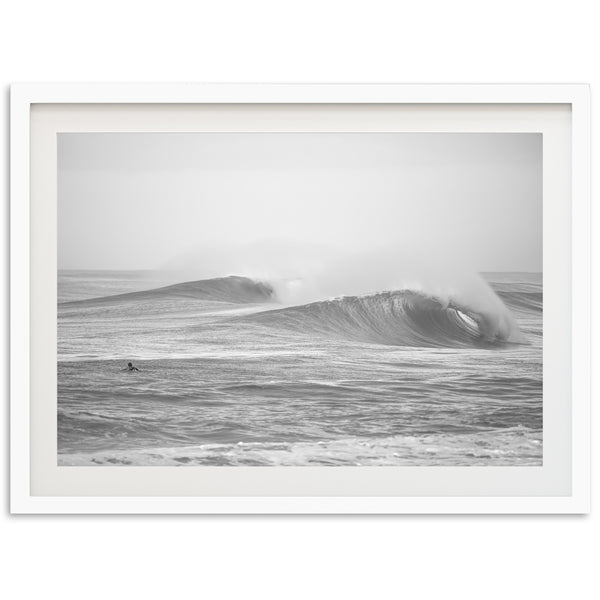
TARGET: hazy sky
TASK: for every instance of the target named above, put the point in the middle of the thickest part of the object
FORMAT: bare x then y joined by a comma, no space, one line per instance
145,201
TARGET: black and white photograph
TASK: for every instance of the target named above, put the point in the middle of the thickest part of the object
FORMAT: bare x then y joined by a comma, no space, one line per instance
300,299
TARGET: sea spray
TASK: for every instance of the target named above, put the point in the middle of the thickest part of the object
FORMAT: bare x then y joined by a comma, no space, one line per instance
445,282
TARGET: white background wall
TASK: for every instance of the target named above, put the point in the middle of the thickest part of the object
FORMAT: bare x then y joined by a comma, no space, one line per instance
297,557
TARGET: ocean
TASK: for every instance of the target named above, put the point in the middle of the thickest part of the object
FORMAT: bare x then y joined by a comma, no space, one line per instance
229,374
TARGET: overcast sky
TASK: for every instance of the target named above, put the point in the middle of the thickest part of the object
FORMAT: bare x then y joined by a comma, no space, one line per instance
214,201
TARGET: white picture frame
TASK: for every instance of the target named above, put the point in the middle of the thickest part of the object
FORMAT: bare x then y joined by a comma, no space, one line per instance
38,111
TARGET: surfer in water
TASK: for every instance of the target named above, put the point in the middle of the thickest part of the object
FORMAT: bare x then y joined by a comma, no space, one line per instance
130,367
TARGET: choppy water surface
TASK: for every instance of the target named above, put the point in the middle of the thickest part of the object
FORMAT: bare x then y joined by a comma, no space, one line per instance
229,376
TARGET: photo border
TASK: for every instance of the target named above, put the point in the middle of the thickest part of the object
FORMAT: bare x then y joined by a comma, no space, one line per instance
23,96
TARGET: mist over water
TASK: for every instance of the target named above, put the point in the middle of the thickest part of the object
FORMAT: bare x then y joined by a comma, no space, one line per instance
301,274
448,281
225,203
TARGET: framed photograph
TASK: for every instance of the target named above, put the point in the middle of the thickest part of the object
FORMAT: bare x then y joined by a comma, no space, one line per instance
300,299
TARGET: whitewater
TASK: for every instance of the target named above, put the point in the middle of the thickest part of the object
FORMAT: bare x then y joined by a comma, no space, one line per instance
242,371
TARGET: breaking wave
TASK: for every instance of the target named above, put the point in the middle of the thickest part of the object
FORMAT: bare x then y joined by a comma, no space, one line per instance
472,315
399,318
233,289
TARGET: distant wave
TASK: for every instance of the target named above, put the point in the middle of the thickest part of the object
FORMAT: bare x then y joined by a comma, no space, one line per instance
522,301
400,318
238,290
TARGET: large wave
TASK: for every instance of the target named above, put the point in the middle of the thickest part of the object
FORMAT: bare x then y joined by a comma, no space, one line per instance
233,289
466,314
399,318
